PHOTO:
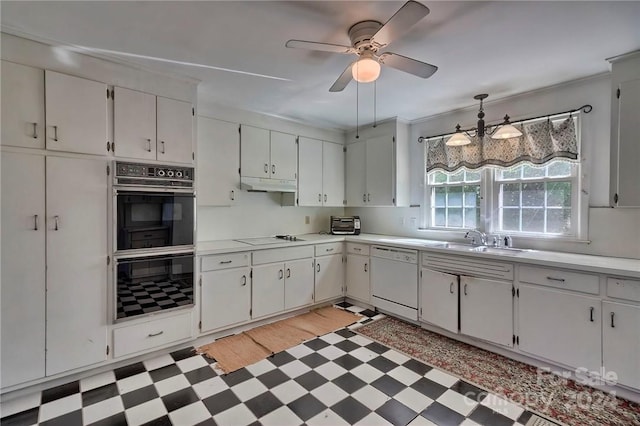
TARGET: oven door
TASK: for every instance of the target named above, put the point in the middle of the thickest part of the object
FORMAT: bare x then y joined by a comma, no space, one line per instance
152,284
146,219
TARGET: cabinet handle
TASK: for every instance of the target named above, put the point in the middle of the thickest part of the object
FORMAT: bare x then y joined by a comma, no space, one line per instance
288,273
613,324
266,168
224,262
244,280
591,309
368,197
156,334
35,130
366,267
357,249
560,280
35,222
364,198
329,249
56,226
451,288
319,198
325,198
280,274
273,169
318,268
163,150
465,289
148,145
55,133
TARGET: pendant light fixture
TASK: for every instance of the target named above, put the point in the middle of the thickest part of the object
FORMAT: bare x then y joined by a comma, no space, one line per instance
505,130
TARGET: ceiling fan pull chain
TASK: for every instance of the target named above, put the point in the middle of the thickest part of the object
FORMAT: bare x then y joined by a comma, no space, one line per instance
375,94
357,107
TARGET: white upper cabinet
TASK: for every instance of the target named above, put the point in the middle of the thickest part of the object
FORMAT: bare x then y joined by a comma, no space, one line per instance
283,156
22,106
218,162
76,114
174,131
625,131
254,152
378,166
134,124
320,183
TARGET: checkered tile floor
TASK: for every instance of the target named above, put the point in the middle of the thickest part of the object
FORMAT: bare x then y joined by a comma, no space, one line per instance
339,378
146,297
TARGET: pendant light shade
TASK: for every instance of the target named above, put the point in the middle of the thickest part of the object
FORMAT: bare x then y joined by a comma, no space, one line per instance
506,130
366,69
458,138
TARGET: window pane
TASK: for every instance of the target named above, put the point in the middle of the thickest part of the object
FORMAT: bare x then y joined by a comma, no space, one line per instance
456,177
472,177
559,169
455,218
533,194
513,173
529,172
471,217
455,196
439,217
471,196
511,194
533,220
439,195
558,221
559,194
438,177
510,219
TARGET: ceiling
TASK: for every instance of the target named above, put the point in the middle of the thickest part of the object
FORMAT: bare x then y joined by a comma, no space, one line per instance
501,48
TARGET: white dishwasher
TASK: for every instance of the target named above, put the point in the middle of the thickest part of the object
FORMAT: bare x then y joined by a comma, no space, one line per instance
394,281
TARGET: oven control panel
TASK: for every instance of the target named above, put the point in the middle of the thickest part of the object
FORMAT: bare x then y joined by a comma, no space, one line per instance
153,175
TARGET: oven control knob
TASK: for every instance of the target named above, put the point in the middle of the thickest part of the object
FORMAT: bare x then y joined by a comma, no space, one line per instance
179,174
160,172
170,173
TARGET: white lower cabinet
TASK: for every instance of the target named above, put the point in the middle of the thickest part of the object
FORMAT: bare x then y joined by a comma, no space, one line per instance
225,298
298,283
560,326
329,277
268,290
357,278
151,334
439,299
486,309
621,342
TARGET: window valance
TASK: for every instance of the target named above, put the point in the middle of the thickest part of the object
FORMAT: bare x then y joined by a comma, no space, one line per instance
541,141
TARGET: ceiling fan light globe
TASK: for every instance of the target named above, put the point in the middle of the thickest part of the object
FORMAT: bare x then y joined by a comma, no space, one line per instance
366,70
458,139
506,131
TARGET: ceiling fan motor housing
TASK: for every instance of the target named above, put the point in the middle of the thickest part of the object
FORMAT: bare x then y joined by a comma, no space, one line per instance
361,33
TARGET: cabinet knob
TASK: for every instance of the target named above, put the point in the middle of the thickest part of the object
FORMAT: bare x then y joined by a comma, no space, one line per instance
366,267
325,198
364,198
148,145
266,168
163,150
232,195
288,273
319,198
280,274
244,280
273,169
318,268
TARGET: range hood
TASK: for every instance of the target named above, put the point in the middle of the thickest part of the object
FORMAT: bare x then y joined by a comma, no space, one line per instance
267,185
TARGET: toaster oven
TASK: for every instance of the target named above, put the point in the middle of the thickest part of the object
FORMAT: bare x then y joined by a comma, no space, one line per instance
345,225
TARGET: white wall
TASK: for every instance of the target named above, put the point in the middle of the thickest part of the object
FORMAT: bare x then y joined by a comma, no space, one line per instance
258,214
612,232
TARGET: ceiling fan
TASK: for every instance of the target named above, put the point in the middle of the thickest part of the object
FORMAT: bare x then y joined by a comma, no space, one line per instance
367,38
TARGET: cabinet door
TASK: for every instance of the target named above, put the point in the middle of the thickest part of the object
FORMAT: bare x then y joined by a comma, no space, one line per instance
226,298
380,171
333,174
570,321
23,268
356,174
357,280
22,106
486,310
621,342
134,124
310,175
284,156
76,263
76,113
298,284
218,162
254,152
329,277
174,131
268,290
628,145
439,299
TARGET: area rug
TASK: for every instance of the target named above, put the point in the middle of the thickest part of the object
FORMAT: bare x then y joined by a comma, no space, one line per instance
555,397
251,346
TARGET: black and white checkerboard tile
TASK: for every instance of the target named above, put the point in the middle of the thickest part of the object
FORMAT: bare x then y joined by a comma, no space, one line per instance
337,379
146,297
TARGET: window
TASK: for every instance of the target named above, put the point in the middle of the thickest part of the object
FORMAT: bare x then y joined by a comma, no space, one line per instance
455,199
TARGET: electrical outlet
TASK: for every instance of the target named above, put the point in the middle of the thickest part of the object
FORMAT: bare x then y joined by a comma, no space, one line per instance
307,220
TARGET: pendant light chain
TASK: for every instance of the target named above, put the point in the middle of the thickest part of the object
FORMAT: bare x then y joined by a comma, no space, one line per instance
357,108
375,94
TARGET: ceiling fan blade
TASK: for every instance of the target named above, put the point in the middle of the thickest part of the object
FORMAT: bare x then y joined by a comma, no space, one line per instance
407,16
343,80
324,47
412,66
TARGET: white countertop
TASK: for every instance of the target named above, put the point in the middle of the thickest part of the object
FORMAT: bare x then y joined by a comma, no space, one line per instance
581,262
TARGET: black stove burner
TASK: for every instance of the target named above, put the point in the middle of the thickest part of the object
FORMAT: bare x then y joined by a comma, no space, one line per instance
287,237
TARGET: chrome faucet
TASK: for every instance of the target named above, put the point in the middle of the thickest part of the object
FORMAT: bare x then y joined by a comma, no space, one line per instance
481,235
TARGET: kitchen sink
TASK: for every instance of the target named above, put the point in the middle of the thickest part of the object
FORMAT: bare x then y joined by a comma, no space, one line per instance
484,249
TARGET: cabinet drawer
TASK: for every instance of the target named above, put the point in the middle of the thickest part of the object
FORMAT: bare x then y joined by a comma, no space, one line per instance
355,248
623,289
574,281
261,257
224,261
329,248
149,234
151,334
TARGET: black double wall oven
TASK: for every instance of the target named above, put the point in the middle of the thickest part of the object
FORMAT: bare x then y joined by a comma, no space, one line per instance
154,226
